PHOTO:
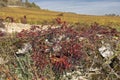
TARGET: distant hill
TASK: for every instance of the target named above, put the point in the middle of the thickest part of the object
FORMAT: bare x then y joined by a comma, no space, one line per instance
17,3
14,2
40,16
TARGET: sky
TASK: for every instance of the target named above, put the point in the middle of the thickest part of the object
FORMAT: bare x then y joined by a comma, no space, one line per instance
89,7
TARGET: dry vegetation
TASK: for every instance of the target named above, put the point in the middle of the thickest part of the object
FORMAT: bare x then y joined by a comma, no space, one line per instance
61,53
38,16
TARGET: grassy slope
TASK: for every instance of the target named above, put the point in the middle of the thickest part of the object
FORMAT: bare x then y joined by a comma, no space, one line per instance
38,16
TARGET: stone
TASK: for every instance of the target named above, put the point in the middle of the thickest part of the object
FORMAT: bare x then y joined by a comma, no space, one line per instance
1,24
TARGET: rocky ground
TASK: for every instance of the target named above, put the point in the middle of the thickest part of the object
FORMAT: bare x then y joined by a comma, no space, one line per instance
105,51
17,27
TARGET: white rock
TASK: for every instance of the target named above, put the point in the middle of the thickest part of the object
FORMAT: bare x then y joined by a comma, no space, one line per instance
75,75
25,49
16,27
2,29
81,38
106,50
57,48
61,37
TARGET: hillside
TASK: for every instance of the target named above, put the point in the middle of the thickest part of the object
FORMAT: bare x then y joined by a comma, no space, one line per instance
38,16
37,44
18,3
59,53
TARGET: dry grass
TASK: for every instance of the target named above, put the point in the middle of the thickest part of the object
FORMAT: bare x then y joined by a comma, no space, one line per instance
38,16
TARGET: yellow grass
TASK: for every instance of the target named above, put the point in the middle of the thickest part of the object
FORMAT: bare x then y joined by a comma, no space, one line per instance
38,16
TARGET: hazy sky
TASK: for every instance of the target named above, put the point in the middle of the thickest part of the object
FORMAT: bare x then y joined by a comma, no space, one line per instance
92,7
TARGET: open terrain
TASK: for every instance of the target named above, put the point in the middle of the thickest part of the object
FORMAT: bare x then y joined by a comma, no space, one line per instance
39,16
48,48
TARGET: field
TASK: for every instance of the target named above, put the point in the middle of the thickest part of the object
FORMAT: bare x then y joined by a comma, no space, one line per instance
64,46
37,16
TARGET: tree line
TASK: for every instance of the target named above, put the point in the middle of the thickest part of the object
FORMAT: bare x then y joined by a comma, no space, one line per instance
22,3
112,14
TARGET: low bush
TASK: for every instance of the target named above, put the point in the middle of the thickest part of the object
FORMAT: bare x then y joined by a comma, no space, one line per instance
57,51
